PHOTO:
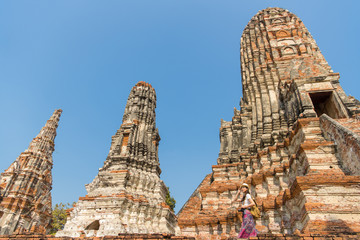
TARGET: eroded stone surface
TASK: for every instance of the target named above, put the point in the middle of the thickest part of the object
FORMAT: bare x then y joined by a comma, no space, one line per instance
25,202
120,236
275,142
127,195
169,236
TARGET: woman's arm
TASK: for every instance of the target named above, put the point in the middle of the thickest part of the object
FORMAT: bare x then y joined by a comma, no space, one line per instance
236,196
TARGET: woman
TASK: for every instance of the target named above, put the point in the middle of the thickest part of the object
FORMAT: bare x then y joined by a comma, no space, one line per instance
248,224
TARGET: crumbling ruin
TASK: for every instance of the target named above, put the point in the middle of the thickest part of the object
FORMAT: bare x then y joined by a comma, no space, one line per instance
127,195
25,197
294,141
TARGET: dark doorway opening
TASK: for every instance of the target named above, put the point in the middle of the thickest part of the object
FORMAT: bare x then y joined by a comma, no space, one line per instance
95,225
325,102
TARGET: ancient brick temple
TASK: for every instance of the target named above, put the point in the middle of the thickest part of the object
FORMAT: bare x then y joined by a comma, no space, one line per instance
127,195
294,141
25,200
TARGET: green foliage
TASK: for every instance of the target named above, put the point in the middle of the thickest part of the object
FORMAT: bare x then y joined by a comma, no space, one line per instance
59,217
170,200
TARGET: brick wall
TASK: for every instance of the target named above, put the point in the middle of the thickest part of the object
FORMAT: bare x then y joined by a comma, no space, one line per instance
168,236
346,139
29,236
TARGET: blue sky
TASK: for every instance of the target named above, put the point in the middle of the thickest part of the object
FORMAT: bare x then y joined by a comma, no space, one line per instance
85,56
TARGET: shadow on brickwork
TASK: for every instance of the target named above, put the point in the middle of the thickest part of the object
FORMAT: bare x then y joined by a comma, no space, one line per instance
338,226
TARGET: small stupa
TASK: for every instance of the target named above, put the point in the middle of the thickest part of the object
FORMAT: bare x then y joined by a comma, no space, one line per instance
127,195
25,197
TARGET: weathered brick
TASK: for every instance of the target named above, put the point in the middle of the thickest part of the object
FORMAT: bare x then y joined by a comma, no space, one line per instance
278,144
32,171
127,195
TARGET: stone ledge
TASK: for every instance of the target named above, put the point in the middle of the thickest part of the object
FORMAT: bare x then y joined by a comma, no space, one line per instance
311,236
29,236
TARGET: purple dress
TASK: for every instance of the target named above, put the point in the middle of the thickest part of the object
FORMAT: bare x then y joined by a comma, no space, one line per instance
248,228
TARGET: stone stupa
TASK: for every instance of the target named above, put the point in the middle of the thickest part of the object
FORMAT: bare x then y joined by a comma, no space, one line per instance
295,141
127,195
25,197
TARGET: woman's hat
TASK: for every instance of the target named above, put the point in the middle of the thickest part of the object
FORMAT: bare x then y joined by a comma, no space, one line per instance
245,185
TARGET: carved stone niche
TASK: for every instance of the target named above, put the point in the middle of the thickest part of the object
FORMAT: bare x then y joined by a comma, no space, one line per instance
288,50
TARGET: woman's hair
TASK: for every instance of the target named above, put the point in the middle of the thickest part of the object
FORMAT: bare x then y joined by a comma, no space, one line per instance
247,192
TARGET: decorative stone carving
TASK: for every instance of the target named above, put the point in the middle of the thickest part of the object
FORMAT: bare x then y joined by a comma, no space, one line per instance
127,195
25,202
276,143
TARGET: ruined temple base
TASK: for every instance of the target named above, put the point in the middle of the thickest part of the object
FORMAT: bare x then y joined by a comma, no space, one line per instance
29,236
310,236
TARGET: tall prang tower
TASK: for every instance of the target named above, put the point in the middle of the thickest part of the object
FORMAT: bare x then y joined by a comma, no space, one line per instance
25,201
295,141
127,195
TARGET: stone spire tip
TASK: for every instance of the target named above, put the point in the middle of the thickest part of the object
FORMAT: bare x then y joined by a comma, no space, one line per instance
56,115
143,84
